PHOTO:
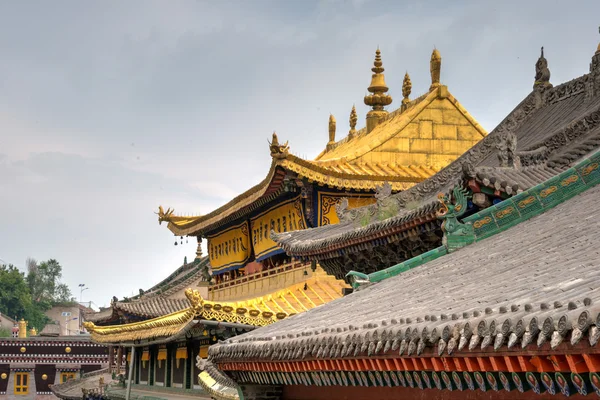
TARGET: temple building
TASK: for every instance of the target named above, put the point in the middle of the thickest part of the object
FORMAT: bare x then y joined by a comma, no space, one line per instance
246,281
30,365
399,149
504,305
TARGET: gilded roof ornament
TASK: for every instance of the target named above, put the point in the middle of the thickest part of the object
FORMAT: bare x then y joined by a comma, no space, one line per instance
164,215
542,73
353,121
598,49
378,97
406,89
278,150
435,67
332,125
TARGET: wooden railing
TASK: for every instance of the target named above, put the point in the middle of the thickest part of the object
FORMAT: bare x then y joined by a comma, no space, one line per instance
260,283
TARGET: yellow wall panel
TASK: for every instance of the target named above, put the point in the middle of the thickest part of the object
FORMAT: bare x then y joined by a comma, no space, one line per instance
425,129
454,117
444,131
468,133
431,114
422,145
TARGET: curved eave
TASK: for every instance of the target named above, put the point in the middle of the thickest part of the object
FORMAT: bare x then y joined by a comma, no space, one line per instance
295,245
165,326
310,170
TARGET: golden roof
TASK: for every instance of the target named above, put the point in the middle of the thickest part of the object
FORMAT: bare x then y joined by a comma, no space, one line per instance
404,148
260,311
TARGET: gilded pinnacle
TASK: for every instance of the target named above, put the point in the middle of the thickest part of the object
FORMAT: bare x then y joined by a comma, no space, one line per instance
332,125
353,118
378,99
598,49
406,88
435,66
353,121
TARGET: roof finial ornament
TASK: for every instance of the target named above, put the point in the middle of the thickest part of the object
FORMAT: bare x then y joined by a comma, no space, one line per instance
353,121
542,73
278,150
378,97
406,89
435,67
598,49
332,125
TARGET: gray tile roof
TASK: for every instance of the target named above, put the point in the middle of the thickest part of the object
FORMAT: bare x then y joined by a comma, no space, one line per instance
537,281
563,130
155,303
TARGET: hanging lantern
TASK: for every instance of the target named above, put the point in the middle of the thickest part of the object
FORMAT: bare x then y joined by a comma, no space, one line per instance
176,243
305,272
305,286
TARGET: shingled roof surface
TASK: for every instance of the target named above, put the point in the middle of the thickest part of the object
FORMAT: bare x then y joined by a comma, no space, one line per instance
556,128
154,303
543,269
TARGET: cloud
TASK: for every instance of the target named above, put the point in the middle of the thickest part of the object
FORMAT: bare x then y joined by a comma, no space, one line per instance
109,109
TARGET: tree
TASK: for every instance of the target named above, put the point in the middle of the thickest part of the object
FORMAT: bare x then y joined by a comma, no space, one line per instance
14,293
44,282
15,298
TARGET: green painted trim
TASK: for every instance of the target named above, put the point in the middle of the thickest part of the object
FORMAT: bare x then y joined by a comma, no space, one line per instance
397,269
508,213
536,200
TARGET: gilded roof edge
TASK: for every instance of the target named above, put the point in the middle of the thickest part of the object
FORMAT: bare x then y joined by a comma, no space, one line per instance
380,134
305,169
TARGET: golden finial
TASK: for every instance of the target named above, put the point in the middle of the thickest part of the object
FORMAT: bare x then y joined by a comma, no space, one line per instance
331,129
378,97
406,89
435,66
598,49
353,121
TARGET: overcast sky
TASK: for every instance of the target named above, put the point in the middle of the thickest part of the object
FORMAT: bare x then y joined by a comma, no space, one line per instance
110,108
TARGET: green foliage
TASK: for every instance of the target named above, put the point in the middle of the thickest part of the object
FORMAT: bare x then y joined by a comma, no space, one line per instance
44,283
14,294
5,332
30,296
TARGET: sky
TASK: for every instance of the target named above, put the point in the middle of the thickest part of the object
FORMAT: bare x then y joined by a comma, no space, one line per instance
109,109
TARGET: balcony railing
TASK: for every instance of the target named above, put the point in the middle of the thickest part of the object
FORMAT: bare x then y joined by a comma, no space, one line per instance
260,282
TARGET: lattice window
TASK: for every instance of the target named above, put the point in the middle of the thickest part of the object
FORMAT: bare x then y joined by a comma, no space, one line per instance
21,383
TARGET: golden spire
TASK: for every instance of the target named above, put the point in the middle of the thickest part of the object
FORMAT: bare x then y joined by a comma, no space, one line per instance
406,89
598,49
331,131
435,65
353,121
378,99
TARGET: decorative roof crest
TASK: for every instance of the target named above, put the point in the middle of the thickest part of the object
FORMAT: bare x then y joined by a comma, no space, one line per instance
332,125
195,299
164,216
507,150
456,234
353,121
341,209
435,67
542,73
406,89
278,150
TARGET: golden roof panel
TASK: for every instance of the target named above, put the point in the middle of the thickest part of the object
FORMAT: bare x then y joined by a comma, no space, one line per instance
259,311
